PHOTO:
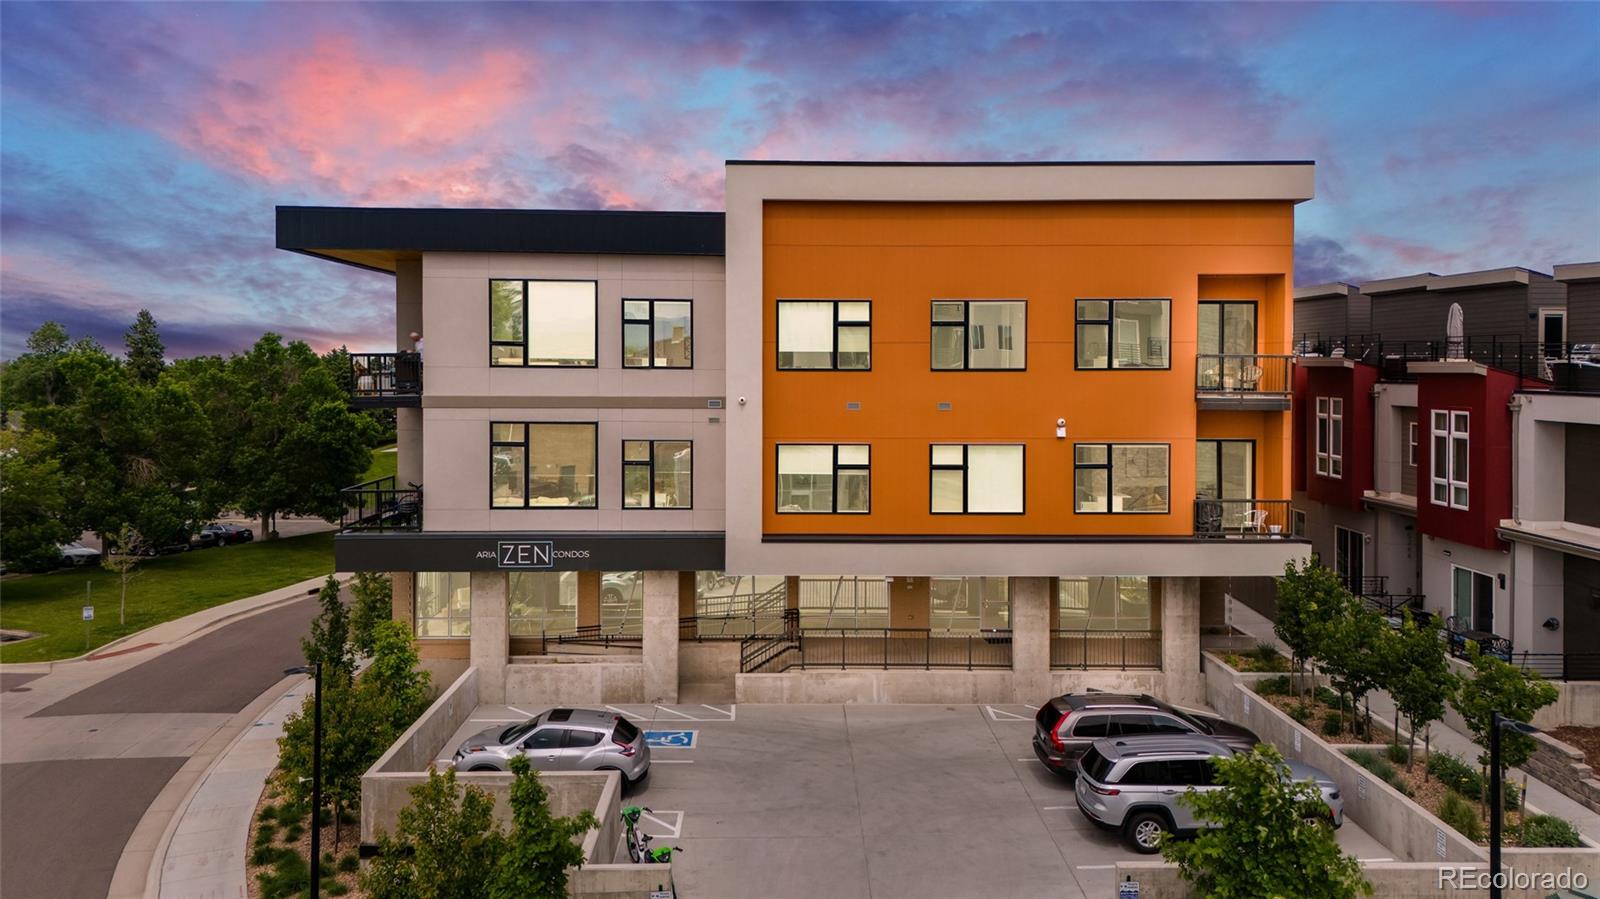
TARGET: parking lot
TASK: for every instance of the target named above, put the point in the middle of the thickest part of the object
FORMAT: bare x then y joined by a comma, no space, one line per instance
866,801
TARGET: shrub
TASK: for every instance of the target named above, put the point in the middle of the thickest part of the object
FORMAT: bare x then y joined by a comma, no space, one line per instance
293,832
1362,757
1326,696
1513,797
335,888
1273,686
267,813
1462,816
1333,725
266,833
349,863
1300,712
265,854
1549,831
1456,774
288,878
1398,754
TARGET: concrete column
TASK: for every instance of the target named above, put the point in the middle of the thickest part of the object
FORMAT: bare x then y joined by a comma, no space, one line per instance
1179,598
661,636
1030,639
588,599
491,642
909,604
408,422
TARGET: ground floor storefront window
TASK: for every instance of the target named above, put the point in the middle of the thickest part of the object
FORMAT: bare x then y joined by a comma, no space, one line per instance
969,604
1104,603
622,602
850,602
443,603
542,602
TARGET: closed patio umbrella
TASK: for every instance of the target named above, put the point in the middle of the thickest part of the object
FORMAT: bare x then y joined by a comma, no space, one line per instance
1454,331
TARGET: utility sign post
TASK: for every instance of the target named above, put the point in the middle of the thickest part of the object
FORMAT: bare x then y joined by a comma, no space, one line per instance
88,615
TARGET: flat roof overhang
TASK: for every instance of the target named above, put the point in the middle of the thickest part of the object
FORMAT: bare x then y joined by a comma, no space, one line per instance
531,551
378,238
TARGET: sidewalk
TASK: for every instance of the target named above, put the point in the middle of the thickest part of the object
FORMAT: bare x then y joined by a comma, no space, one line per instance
205,854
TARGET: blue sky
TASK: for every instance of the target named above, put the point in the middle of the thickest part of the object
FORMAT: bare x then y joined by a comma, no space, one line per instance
143,146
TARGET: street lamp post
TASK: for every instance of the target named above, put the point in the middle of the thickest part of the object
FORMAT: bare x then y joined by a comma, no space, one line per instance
1496,802
316,774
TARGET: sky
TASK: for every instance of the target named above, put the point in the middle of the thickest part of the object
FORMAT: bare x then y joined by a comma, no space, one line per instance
143,146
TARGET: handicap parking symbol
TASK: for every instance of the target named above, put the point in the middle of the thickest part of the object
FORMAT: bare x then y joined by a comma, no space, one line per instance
669,739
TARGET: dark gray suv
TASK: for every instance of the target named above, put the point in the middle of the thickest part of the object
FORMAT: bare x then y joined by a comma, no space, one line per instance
1067,725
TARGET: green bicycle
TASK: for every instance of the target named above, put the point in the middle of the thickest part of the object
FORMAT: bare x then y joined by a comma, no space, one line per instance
638,843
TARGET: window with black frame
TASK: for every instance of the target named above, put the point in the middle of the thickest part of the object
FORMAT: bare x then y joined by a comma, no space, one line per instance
979,335
657,474
1120,478
976,478
538,324
1123,334
657,334
542,465
824,478
824,335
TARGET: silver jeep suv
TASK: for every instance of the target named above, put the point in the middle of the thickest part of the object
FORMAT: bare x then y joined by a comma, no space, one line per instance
1132,785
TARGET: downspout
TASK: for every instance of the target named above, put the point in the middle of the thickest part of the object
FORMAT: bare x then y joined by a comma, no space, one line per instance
1516,404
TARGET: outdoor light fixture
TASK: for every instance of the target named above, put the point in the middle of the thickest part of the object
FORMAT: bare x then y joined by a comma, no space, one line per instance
1496,801
1552,623
316,774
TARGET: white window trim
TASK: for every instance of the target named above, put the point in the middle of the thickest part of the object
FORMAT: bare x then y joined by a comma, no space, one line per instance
1297,522
1412,428
1330,457
1443,471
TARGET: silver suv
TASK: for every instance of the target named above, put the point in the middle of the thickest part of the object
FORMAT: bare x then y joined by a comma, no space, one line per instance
561,740
1132,785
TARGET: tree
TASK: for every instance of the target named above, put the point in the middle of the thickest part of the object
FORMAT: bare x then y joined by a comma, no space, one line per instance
121,556
399,685
147,355
444,843
329,641
1516,694
540,847
1418,678
1262,842
33,378
1307,597
373,604
1353,644
33,502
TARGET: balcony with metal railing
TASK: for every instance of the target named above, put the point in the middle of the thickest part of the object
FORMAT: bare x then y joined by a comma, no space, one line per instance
1116,649
385,380
1241,519
377,506
1562,367
1243,381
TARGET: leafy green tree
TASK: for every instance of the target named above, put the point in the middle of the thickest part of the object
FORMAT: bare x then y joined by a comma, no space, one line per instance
33,502
398,683
444,844
540,847
120,555
147,355
1262,843
373,604
1308,597
329,641
1353,644
1418,679
34,378
1516,694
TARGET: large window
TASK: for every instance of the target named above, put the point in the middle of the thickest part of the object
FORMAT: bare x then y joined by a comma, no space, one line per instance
542,465
1120,477
657,334
975,478
1472,599
739,604
622,602
824,477
1350,557
1225,469
1124,333
657,474
443,604
1104,603
1330,436
1449,461
980,334
542,602
968,604
847,602
825,334
542,323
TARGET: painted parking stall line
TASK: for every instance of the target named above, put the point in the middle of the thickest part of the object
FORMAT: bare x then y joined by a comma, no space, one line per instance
1005,717
671,739
661,824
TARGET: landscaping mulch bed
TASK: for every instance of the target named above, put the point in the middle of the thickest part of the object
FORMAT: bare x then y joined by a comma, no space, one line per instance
347,881
1584,739
1429,792
1320,713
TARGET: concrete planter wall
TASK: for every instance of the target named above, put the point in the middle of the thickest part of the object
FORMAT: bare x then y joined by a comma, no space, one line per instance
876,685
576,680
1390,880
1563,767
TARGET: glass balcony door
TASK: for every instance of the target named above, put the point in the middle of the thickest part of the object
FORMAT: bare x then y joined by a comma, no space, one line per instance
1225,469
1227,330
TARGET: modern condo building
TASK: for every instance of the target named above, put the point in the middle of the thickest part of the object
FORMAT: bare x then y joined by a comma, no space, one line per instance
881,432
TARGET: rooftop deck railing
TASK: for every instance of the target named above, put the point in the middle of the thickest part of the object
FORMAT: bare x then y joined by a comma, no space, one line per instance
378,506
377,377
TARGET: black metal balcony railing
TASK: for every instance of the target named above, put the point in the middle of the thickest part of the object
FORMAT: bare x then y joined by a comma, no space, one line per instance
1266,519
1248,374
1559,665
377,505
1086,649
379,377
1563,366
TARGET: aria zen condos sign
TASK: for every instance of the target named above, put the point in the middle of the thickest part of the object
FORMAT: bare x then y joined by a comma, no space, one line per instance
533,554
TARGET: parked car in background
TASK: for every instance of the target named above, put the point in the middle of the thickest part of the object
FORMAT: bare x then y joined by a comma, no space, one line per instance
222,533
561,740
1133,785
1066,726
75,554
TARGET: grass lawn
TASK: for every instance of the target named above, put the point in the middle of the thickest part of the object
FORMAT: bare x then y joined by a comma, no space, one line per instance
165,588
383,463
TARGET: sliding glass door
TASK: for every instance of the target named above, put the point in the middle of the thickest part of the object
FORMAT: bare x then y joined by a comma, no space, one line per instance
1228,331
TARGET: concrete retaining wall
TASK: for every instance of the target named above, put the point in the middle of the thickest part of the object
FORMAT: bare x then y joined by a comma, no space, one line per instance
869,685
415,749
1390,880
1409,830
1563,767
577,680
710,662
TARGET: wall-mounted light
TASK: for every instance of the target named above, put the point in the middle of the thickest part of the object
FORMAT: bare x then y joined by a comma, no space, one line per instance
1502,580
1061,428
1552,624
